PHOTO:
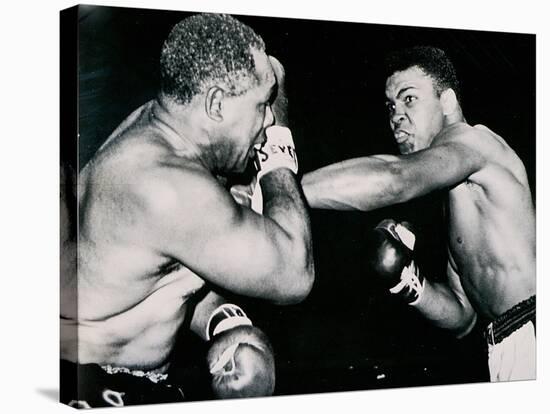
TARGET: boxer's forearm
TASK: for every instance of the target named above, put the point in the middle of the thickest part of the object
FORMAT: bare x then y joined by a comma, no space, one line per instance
326,191
362,184
444,309
284,203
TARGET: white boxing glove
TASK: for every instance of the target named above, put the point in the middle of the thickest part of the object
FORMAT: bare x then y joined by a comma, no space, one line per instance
277,152
240,358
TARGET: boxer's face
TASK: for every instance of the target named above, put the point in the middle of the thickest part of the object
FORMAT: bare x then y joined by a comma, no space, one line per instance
249,114
415,110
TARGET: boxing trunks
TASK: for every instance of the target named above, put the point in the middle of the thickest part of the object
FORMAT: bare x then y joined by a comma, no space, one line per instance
511,343
89,386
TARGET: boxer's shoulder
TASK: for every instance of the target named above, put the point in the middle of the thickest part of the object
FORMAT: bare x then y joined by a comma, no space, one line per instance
502,160
460,132
167,188
480,142
478,137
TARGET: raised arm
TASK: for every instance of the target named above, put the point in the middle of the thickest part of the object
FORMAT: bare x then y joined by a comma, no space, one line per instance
194,220
376,181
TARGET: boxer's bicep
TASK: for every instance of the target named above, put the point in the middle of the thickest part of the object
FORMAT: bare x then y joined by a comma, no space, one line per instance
364,183
455,155
224,243
368,183
253,254
440,166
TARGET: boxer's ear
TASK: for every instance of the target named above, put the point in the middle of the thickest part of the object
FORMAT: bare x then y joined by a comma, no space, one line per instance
214,103
449,101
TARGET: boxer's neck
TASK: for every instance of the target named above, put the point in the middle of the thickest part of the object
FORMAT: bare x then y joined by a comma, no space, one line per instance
185,130
454,117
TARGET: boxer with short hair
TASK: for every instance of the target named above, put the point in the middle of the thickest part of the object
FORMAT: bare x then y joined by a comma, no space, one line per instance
491,245
158,227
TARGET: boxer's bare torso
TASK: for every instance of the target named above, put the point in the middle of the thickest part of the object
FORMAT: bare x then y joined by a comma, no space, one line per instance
492,227
490,212
131,297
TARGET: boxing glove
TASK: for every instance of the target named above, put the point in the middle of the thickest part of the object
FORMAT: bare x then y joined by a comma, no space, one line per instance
240,357
279,107
391,257
277,151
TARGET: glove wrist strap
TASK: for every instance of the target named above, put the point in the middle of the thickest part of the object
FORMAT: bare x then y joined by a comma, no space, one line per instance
225,317
226,356
411,285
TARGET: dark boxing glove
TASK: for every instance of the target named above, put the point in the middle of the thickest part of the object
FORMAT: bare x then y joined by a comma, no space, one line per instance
240,357
391,257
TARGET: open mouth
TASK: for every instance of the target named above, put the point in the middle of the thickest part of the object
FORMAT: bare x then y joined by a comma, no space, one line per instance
401,136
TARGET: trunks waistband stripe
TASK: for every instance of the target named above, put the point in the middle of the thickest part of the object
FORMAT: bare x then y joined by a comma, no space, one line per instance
511,320
151,376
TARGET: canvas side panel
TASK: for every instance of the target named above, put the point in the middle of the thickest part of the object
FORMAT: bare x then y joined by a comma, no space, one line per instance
68,199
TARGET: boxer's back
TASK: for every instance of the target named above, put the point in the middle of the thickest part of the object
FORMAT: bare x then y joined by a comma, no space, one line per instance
492,230
131,298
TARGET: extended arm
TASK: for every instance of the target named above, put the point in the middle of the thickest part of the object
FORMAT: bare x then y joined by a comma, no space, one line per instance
377,181
196,222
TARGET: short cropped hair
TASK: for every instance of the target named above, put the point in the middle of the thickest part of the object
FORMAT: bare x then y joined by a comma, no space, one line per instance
208,49
431,60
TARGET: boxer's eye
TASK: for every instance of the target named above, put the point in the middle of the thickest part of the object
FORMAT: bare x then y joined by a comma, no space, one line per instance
410,99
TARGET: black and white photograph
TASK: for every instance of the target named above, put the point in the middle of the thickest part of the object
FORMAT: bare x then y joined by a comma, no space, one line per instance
275,206
285,210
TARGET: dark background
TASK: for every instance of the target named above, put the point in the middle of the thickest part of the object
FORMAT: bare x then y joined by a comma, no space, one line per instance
348,334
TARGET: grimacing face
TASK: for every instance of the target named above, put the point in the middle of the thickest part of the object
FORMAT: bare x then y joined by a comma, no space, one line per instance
415,110
249,114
